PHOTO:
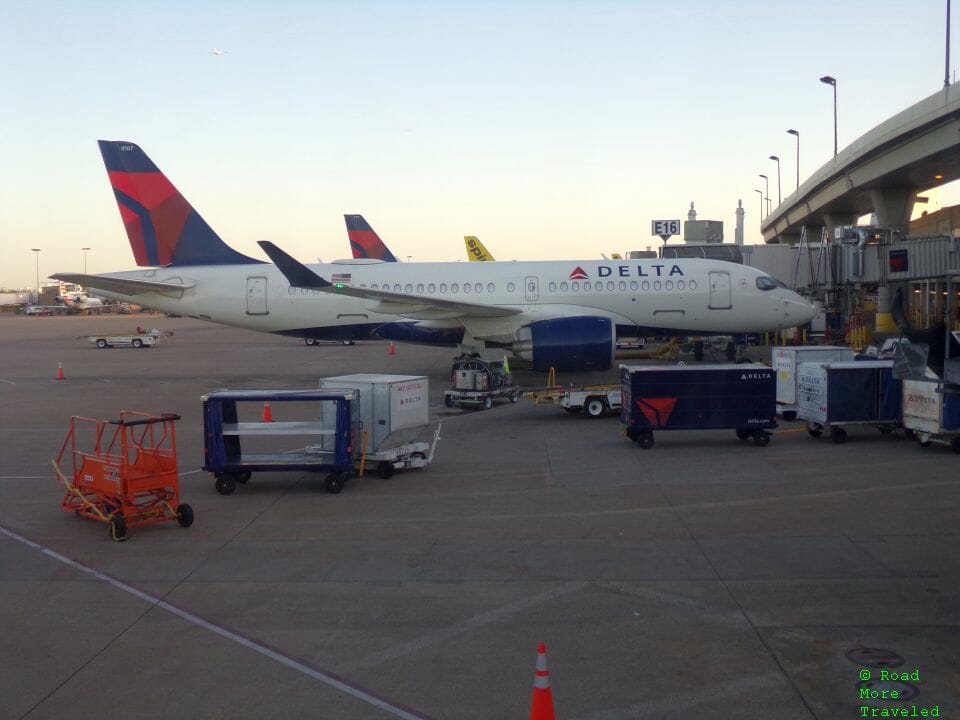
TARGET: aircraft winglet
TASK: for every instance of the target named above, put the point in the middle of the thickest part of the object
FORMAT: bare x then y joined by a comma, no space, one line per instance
298,274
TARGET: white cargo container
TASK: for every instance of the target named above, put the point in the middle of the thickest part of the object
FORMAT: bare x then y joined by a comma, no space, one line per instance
786,361
932,411
393,408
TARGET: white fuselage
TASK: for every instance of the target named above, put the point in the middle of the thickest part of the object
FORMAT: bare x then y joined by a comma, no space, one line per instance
689,296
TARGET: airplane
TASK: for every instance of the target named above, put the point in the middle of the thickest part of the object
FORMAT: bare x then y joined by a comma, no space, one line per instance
364,241
76,299
476,250
565,314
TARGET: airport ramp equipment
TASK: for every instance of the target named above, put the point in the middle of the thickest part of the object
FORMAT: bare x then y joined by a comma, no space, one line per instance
247,431
477,382
834,395
787,360
931,410
392,411
741,397
122,472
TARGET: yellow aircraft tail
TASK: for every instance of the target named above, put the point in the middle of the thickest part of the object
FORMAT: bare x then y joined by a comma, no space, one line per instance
475,249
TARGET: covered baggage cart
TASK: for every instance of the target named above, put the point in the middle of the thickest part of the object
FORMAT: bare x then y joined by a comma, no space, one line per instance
740,397
834,395
786,362
931,410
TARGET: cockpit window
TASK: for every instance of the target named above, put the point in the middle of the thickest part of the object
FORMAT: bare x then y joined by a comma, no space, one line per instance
767,283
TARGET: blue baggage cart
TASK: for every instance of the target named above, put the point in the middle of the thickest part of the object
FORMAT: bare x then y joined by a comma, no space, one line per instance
241,436
740,397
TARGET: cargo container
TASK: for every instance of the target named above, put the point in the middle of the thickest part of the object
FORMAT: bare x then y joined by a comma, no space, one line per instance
393,408
859,392
931,410
740,397
786,361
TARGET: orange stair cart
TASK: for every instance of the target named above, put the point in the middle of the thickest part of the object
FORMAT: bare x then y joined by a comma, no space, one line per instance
123,472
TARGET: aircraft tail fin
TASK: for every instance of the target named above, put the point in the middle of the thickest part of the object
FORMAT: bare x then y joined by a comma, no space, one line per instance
476,250
364,241
163,228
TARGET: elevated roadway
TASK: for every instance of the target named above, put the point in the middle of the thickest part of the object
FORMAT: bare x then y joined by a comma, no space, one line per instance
881,172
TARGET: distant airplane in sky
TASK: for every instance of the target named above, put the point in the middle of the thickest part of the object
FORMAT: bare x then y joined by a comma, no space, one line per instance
218,52
565,314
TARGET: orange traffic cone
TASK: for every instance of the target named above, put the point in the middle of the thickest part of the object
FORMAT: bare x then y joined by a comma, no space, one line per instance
59,371
267,412
391,351
542,706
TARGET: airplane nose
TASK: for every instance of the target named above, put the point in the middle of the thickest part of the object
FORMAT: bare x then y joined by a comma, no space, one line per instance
798,311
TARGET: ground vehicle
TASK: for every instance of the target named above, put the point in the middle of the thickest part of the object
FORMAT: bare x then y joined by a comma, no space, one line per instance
741,397
134,341
326,425
592,400
477,382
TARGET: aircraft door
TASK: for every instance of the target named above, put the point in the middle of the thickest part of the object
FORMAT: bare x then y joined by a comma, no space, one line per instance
531,289
720,291
256,295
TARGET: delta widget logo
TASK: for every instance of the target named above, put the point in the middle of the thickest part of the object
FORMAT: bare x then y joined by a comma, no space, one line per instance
578,274
657,411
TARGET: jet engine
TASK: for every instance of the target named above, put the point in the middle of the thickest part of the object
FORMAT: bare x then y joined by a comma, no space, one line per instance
572,343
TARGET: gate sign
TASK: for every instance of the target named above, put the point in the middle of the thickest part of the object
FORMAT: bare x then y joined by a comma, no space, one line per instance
665,228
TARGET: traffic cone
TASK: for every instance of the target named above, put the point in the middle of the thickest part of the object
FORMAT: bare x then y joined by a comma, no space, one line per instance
542,706
391,351
59,371
267,412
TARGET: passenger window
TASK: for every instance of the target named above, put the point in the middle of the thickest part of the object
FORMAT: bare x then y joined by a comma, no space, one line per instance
693,284
656,284
443,287
610,285
511,287
563,287
680,284
491,288
419,287
455,287
466,287
478,288
646,285
552,287
668,284
432,288
575,286
634,285
623,284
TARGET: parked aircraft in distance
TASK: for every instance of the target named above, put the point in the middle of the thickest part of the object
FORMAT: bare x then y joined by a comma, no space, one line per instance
565,314
476,252
76,299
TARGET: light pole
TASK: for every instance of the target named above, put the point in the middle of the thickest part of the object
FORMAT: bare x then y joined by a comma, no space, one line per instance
833,81
85,250
797,133
761,205
767,181
36,254
779,196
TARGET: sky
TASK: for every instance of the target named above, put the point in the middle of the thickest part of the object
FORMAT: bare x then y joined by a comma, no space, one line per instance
550,129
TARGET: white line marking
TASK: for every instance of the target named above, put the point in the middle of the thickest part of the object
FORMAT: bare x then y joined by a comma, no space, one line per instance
323,676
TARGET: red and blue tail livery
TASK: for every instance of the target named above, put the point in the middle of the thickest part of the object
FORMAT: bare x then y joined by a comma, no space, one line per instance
364,241
163,228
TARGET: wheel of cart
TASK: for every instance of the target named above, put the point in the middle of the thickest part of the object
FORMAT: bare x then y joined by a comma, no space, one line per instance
334,482
814,429
838,434
487,402
595,407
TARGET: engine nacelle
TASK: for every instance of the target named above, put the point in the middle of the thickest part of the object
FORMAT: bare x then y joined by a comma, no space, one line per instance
573,343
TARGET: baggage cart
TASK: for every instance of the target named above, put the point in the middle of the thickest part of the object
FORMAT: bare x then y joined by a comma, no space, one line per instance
931,410
740,397
593,401
241,436
834,395
123,472
787,360
478,382
392,410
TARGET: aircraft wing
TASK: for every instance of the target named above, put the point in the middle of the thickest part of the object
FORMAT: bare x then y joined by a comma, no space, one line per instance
121,286
407,305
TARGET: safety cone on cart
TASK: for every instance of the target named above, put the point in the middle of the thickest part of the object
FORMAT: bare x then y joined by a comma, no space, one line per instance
267,412
542,706
391,351
59,371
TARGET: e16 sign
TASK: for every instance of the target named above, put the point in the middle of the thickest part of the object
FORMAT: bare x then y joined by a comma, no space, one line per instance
665,228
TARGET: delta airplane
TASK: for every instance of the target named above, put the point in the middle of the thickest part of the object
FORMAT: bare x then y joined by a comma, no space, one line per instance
565,314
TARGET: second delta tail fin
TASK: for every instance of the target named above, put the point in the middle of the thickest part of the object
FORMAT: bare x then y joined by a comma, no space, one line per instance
364,241
163,228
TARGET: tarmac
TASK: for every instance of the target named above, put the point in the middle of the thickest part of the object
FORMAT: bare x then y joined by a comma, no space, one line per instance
702,578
